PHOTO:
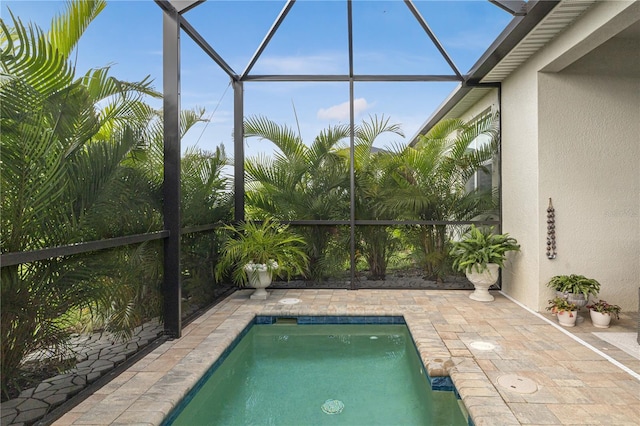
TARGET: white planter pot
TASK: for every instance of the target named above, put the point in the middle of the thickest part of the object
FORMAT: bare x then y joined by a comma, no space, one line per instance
577,299
259,278
482,281
567,318
600,320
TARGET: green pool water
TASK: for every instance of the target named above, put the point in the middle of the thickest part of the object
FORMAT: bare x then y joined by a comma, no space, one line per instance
321,375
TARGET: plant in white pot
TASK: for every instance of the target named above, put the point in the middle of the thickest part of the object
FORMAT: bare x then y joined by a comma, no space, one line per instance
601,313
256,251
480,254
575,288
566,312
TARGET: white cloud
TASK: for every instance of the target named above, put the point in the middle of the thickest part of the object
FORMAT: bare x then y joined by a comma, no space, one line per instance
340,112
310,64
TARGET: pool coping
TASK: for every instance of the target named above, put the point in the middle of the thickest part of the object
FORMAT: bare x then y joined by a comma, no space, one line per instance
156,402
442,323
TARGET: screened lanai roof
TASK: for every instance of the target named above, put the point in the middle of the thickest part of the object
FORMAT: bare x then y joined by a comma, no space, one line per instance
287,24
441,33
402,55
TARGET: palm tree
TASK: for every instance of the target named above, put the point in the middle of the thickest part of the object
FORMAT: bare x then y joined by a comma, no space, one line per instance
430,179
63,140
300,182
206,198
205,190
375,243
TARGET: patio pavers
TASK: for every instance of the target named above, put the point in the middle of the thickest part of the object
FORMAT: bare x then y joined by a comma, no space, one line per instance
573,384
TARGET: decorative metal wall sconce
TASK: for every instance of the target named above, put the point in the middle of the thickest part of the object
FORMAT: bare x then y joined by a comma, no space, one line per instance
551,231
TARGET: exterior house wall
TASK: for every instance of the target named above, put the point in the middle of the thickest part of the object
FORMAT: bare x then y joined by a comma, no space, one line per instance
589,156
520,173
587,162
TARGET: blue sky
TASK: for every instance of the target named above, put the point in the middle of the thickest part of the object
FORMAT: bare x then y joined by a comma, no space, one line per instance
312,40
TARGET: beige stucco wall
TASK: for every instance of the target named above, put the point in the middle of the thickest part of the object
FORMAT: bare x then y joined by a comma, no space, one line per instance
573,137
521,204
589,157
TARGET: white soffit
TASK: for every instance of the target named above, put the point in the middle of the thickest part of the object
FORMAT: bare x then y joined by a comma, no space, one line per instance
468,101
563,15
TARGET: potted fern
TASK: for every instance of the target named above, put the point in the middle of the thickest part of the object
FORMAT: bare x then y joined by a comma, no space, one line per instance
480,254
256,251
575,288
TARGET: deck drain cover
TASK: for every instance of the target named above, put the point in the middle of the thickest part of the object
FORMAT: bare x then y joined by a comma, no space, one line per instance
289,301
518,384
482,346
332,406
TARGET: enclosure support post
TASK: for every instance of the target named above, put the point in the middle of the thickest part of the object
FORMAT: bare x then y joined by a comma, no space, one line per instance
238,148
171,289
352,162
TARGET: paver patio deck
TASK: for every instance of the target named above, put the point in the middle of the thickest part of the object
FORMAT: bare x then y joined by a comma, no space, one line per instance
574,384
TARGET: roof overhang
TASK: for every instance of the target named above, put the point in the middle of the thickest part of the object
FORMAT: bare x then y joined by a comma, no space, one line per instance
456,104
523,37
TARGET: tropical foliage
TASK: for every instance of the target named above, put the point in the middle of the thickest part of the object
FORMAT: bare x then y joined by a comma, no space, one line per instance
481,246
576,284
300,182
63,140
430,183
268,243
376,243
604,307
206,199
82,160
560,304
425,182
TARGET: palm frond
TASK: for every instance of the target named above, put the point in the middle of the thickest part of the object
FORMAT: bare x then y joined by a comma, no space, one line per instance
67,28
283,137
31,57
369,130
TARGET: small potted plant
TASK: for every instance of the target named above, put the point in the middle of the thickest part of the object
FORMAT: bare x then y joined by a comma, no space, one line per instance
255,251
566,311
575,288
601,313
480,254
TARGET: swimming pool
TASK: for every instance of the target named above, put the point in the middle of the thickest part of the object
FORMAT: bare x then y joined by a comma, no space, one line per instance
328,371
